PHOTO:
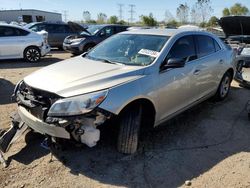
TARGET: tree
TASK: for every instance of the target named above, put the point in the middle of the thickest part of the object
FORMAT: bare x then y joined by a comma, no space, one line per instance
204,8
86,16
195,18
149,20
101,18
113,20
239,10
122,22
182,13
226,12
168,16
213,21
172,24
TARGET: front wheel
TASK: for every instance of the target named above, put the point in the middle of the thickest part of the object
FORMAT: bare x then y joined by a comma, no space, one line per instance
224,87
128,137
32,54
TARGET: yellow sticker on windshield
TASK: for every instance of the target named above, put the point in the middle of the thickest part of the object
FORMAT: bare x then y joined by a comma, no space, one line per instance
150,53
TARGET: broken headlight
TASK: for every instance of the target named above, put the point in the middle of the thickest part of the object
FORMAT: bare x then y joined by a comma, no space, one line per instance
77,105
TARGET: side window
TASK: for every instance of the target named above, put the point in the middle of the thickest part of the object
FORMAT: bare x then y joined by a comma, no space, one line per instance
217,46
109,31
56,28
67,29
1,31
38,27
119,29
183,48
52,28
8,32
21,32
205,45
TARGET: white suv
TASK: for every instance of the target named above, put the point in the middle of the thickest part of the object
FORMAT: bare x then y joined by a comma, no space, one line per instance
17,42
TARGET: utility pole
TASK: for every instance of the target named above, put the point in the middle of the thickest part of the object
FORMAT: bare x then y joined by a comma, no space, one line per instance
120,11
65,15
132,12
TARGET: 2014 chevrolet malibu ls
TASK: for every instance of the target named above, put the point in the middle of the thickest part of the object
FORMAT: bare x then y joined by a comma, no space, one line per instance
138,77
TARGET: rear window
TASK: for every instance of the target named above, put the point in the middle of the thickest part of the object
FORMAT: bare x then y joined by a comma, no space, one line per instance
205,45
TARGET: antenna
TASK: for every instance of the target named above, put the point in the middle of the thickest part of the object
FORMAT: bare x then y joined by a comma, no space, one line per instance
120,11
132,12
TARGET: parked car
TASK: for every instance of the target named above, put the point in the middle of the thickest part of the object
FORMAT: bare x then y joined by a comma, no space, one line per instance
93,35
237,33
17,42
138,78
57,31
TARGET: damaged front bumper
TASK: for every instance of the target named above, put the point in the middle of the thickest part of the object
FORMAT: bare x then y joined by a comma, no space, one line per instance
242,75
40,126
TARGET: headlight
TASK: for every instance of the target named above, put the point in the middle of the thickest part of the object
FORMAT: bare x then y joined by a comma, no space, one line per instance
78,40
77,105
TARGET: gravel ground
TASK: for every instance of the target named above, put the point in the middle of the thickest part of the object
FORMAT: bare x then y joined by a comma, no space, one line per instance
207,146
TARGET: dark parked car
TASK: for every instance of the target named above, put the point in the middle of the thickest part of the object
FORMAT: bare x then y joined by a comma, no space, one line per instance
94,34
57,31
237,31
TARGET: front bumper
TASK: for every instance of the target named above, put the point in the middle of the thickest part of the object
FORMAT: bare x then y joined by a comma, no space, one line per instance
45,49
40,126
72,48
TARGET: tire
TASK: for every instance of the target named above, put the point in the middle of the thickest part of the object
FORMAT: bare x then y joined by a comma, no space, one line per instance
128,136
224,87
32,54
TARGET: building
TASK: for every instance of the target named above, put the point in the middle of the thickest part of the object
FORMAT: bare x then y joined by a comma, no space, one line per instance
29,15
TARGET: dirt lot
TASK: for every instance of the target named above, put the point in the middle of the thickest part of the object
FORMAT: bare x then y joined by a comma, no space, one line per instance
208,145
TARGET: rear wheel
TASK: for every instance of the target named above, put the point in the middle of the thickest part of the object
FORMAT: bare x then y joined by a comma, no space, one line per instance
224,87
32,54
128,137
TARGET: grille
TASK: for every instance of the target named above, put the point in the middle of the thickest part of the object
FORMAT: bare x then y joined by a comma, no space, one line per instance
36,101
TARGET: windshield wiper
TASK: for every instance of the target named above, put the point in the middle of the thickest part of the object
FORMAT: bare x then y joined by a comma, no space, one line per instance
110,62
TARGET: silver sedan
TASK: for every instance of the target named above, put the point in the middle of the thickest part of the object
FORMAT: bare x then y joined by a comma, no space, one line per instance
138,78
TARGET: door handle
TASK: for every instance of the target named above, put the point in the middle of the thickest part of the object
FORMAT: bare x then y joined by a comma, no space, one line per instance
221,61
197,72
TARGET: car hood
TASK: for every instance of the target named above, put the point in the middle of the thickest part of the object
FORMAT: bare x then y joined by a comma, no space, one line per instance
77,28
80,75
235,25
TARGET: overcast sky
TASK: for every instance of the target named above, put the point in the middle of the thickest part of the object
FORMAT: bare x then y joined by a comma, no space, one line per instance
75,8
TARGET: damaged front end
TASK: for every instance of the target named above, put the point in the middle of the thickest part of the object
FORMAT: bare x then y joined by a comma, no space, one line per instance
236,29
74,118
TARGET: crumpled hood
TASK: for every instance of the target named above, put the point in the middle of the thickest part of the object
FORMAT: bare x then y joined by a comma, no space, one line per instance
235,25
80,75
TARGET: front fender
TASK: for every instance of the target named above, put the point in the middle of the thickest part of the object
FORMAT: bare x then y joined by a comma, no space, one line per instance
122,95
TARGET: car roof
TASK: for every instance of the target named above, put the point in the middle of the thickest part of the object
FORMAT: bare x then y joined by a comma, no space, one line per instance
104,25
16,26
163,32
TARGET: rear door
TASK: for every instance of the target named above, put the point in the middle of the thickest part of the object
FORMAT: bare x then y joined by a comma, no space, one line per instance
12,41
56,34
207,68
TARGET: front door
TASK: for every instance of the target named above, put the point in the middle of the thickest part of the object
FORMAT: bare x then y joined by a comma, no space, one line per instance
174,85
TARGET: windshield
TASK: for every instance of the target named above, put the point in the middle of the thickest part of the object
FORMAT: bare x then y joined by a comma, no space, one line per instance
28,26
92,29
129,49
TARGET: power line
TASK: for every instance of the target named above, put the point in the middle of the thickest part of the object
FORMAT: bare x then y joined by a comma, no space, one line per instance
120,11
132,12
65,15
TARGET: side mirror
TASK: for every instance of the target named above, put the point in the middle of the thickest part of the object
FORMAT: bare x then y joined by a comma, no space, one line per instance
174,63
102,34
